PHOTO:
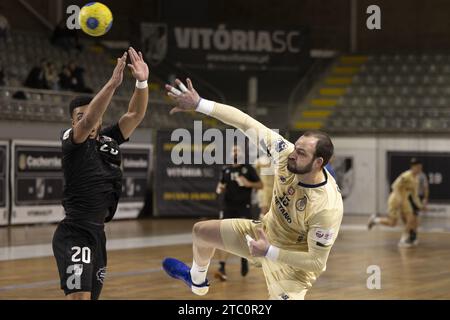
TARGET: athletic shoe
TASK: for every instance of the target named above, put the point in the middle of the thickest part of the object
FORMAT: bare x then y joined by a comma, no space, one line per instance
371,221
179,270
244,267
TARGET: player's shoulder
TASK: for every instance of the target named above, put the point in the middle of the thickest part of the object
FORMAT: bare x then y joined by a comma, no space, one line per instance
329,198
406,174
107,138
65,134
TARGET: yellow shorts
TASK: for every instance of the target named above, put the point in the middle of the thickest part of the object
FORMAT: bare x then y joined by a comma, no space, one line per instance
399,207
282,280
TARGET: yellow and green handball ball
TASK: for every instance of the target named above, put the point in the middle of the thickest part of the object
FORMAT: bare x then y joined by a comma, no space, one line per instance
95,19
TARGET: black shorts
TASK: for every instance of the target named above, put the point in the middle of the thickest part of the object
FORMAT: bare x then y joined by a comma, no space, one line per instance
231,212
80,253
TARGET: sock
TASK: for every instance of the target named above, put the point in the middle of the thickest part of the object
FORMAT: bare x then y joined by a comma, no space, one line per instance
222,266
377,220
198,274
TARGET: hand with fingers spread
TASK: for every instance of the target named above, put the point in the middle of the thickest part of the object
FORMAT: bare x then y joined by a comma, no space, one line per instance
258,248
138,67
117,76
185,100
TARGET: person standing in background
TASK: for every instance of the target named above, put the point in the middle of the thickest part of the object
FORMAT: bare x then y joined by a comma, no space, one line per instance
236,184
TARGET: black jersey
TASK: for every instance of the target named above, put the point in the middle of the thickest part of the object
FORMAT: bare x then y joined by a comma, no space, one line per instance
92,175
235,195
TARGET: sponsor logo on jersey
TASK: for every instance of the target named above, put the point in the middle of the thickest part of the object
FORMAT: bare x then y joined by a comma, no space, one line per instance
101,273
282,179
324,237
282,203
291,191
280,145
301,236
300,205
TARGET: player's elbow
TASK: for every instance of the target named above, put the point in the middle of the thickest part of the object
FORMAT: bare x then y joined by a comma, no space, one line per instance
137,117
318,265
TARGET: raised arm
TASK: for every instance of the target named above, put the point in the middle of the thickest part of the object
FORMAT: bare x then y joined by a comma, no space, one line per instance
139,101
189,100
99,104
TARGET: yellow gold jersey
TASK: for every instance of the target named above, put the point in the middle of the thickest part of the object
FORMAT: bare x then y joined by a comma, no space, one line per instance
405,186
303,221
263,166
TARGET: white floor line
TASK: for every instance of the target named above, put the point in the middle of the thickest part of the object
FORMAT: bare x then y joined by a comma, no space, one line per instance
45,250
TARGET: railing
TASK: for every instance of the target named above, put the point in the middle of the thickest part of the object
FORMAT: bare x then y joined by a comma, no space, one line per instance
316,71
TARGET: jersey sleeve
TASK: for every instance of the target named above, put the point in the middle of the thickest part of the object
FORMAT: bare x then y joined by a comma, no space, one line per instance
324,227
67,141
269,141
114,132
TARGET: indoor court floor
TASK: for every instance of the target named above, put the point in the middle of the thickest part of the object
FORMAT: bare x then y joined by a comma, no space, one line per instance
136,249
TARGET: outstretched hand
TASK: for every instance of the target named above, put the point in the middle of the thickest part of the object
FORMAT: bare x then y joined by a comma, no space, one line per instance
138,67
117,76
185,100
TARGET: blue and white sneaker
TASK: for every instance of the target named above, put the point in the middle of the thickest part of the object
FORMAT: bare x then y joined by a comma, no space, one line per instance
179,270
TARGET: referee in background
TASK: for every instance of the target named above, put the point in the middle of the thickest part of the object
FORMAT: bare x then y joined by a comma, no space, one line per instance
236,185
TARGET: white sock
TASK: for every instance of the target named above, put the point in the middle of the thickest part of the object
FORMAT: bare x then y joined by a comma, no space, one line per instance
198,274
377,220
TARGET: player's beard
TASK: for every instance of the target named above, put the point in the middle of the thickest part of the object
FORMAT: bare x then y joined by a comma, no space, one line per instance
291,166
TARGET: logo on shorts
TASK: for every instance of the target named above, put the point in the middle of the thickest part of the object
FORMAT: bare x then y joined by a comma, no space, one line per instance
319,234
291,191
101,273
244,170
301,204
284,296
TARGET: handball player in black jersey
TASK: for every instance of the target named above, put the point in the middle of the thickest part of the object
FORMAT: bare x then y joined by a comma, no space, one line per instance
91,163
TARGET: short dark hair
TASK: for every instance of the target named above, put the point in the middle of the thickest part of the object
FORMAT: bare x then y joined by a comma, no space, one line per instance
414,161
79,101
324,146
